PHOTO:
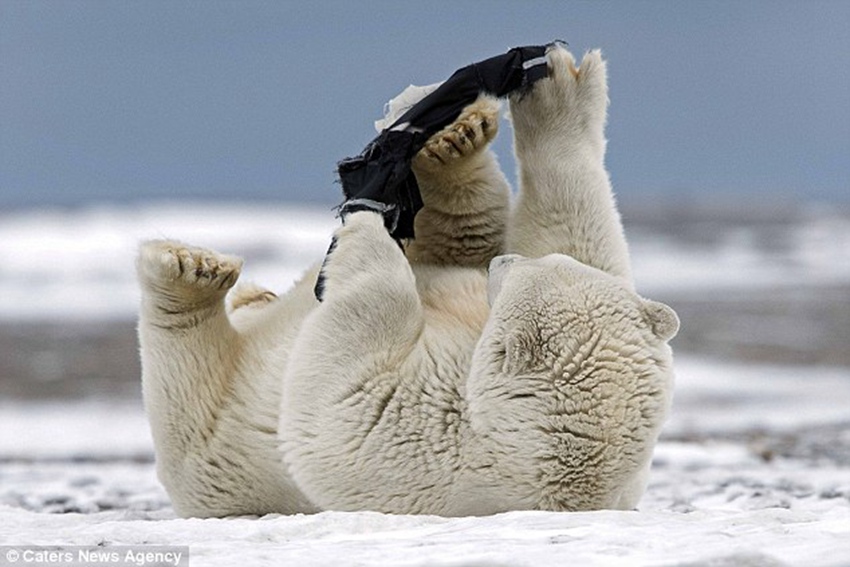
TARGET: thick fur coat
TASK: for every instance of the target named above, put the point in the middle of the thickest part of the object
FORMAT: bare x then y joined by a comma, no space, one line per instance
500,361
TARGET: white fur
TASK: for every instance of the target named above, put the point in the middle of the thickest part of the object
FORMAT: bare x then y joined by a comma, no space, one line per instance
422,384
466,198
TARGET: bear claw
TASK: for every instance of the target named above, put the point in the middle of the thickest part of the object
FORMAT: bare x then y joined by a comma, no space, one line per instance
172,263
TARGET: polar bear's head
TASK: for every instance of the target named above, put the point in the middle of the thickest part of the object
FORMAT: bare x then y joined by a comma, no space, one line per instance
571,382
566,292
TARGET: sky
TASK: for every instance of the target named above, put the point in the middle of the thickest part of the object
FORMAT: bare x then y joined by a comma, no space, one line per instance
117,101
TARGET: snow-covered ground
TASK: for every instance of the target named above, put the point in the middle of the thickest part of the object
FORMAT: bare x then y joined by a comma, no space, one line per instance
753,468
735,482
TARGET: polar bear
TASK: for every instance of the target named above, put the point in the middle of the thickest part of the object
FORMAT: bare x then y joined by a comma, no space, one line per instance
465,195
445,378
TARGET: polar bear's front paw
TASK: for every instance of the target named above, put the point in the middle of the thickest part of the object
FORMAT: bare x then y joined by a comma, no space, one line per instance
570,96
165,264
361,251
473,130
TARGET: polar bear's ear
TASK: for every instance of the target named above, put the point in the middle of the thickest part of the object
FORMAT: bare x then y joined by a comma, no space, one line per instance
662,319
498,268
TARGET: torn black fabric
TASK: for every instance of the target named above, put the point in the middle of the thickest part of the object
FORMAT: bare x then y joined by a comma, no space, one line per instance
381,179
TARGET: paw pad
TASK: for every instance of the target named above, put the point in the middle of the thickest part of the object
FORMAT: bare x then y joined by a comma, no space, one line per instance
174,264
473,130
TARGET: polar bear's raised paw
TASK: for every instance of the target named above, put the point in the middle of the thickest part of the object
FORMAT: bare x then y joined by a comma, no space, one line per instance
473,130
572,97
166,263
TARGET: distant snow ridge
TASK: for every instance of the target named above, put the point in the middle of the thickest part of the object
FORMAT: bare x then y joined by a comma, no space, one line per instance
80,263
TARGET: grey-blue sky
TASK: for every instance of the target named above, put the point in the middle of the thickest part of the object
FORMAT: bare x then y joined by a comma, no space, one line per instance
110,100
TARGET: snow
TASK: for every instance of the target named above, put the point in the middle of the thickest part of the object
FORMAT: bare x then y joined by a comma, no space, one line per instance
79,263
65,430
813,249
713,499
723,397
719,503
515,539
753,467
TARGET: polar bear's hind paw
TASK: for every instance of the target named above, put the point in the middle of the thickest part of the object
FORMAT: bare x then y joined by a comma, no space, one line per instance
570,104
250,295
174,264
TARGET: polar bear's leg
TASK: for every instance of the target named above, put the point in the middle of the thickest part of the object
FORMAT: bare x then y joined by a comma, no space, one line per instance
367,274
189,352
344,371
464,192
566,204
